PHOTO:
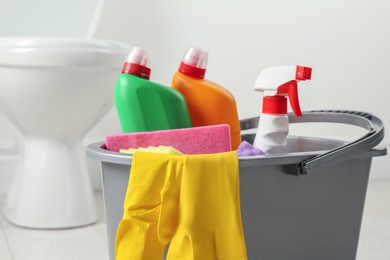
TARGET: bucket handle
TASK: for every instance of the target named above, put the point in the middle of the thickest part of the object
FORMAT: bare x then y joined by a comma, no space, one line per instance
315,164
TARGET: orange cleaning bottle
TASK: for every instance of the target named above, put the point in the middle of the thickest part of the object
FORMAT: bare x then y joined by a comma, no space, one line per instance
208,102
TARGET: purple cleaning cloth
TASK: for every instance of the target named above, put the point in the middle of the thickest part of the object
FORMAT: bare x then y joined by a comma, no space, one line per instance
246,149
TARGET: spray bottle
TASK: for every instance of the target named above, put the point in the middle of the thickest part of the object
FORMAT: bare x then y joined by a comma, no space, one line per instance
143,105
208,102
278,83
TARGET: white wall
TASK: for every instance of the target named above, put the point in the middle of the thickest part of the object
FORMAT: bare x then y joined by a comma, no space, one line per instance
346,42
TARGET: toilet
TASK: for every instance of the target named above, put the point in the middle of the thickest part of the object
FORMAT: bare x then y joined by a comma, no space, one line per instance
56,83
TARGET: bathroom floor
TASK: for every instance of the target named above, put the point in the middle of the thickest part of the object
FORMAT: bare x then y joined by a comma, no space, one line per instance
90,242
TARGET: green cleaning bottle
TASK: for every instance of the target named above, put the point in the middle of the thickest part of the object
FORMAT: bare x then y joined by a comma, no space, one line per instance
143,105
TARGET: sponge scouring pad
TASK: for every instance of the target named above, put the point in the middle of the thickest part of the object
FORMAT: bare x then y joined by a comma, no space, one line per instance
194,140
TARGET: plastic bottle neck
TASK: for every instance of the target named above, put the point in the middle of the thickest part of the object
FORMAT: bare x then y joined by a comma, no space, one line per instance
275,105
191,71
136,70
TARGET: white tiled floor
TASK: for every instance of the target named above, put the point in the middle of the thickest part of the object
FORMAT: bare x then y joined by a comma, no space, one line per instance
375,233
68,244
90,242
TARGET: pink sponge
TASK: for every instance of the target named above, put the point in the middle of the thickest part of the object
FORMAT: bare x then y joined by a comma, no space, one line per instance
195,140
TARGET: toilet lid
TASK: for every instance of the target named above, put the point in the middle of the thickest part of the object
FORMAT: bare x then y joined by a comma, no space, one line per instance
48,18
55,33
62,52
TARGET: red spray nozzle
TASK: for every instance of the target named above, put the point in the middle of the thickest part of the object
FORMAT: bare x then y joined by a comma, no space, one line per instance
303,73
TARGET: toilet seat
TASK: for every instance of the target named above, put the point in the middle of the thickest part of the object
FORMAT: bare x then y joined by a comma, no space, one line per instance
61,52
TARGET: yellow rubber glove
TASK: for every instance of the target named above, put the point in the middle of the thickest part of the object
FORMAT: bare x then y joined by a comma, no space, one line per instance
150,173
192,200
210,226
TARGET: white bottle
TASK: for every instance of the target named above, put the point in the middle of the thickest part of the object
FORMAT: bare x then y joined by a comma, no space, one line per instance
278,83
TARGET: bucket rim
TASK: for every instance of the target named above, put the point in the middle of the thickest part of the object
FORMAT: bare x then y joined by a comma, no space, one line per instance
98,151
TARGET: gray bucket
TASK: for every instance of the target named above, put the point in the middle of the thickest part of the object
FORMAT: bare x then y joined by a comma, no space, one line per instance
305,204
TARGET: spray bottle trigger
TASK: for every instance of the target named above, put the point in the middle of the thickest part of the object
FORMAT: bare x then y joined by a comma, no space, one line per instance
291,89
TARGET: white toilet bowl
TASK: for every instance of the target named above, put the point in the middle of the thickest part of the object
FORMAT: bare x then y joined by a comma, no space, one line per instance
55,90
